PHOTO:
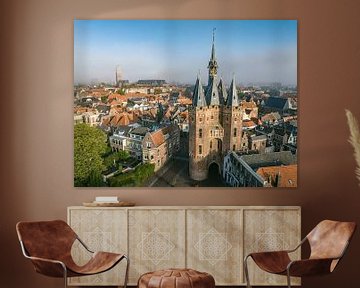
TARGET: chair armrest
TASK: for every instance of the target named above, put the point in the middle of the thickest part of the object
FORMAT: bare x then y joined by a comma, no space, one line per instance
309,267
268,253
84,245
298,246
46,260
49,267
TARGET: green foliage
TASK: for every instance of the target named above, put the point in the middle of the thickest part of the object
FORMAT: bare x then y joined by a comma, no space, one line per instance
89,146
104,99
121,91
157,91
115,157
241,95
135,178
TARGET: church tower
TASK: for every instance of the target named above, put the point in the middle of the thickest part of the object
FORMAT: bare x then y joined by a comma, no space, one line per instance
215,122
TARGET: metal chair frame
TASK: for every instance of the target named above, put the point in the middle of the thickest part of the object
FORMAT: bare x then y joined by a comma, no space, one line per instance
288,276
23,249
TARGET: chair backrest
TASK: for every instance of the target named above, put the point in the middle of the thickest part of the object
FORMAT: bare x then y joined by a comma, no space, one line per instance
46,239
329,239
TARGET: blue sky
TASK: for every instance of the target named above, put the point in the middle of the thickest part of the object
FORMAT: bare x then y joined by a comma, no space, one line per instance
176,50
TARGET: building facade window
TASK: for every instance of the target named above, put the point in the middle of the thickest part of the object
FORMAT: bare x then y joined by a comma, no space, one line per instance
200,133
235,132
200,149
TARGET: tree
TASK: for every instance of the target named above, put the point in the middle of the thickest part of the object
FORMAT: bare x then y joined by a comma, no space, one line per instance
135,178
121,91
89,146
112,159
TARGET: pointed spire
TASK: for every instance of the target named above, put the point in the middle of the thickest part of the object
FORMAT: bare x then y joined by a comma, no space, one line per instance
212,93
213,46
222,91
212,63
232,99
198,96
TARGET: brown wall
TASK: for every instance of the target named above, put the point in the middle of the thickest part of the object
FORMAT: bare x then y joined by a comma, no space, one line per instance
36,42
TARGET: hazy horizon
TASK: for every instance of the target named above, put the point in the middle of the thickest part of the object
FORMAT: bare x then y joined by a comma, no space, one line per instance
255,51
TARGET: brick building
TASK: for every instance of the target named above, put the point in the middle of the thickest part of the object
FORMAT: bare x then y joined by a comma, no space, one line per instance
215,122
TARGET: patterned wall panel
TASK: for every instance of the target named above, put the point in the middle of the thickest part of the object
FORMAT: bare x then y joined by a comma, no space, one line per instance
269,230
101,230
156,240
214,244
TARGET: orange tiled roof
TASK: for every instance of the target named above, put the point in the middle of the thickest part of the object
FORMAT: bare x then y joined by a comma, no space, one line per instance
184,115
132,94
287,174
248,105
158,137
106,121
248,123
184,101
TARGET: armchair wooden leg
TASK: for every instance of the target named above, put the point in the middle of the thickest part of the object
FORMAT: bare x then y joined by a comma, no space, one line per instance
246,270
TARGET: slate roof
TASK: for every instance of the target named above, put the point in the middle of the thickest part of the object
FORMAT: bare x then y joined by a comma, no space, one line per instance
212,93
198,96
232,99
222,92
276,102
140,131
269,159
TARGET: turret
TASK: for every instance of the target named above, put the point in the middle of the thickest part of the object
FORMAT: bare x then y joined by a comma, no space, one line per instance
232,99
198,96
222,92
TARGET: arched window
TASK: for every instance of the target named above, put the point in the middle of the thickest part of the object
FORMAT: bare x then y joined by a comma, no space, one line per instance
200,133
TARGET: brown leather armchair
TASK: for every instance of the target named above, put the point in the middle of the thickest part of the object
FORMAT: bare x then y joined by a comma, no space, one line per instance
48,245
328,242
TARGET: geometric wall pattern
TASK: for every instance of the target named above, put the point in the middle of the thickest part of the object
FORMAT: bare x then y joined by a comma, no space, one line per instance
156,240
155,246
100,230
210,239
271,230
214,241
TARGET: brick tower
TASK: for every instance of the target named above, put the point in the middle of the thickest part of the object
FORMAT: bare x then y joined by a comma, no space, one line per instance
215,123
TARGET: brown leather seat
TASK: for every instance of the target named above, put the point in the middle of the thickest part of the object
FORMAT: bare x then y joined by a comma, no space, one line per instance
176,278
48,245
328,242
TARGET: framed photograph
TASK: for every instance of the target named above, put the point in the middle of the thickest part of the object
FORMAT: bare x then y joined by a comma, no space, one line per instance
185,103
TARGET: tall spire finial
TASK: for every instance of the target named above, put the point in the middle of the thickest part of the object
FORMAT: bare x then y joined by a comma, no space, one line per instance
213,45
212,63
